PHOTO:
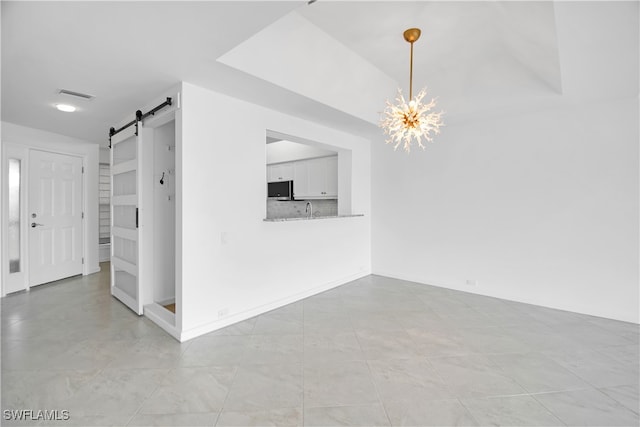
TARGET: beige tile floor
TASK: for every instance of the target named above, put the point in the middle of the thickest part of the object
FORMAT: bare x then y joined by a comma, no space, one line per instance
374,352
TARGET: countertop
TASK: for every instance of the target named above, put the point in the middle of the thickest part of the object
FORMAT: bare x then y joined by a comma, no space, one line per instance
310,219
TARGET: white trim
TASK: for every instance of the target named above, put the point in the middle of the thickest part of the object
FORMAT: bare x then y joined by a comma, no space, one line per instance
125,233
124,265
129,199
123,135
125,298
122,167
152,309
163,318
16,281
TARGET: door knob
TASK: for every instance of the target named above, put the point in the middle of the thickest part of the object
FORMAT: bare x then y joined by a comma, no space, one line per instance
34,225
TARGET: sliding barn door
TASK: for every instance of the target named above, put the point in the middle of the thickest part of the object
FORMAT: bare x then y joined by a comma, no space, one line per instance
129,260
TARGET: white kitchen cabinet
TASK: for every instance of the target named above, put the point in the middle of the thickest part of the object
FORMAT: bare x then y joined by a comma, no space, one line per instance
316,178
300,179
280,172
331,177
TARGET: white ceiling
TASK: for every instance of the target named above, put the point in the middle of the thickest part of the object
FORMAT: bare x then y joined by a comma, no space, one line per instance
334,62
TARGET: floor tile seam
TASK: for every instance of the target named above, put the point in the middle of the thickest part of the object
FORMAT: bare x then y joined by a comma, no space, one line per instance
534,396
186,347
226,397
375,386
473,417
601,389
81,388
355,334
564,390
560,421
526,391
440,376
541,393
146,399
598,389
590,382
131,418
371,377
522,385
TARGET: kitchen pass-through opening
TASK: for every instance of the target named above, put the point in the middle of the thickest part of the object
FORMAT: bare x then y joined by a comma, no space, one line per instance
306,179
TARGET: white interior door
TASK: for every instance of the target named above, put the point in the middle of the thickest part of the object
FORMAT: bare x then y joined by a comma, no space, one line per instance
55,217
126,215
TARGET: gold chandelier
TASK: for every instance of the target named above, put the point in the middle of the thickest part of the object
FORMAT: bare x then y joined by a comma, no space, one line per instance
406,123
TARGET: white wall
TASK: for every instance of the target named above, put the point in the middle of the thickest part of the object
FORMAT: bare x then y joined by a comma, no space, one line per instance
164,212
314,65
538,206
38,139
288,151
232,261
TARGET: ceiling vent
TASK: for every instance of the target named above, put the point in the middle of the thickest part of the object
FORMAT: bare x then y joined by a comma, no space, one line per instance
76,94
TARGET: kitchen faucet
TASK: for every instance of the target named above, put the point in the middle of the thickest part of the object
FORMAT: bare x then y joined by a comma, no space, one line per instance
309,209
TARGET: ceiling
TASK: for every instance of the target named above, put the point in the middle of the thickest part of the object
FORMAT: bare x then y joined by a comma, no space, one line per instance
334,62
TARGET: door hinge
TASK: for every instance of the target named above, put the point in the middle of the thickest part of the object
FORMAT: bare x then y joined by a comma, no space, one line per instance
83,260
82,215
136,217
83,169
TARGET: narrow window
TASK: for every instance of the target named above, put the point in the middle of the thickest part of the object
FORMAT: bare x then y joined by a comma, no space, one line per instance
14,216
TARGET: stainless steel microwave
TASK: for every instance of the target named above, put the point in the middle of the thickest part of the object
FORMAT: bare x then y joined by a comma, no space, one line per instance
280,190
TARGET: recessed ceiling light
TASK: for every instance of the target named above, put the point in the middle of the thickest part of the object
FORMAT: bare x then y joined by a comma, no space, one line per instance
66,108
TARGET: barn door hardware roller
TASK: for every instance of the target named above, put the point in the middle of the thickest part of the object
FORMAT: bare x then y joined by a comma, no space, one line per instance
140,116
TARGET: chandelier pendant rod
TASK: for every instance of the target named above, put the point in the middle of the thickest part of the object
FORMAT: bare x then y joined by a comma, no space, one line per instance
411,35
411,74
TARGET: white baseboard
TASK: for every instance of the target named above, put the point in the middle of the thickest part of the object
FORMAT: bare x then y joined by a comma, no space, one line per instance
439,283
238,317
91,270
163,318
